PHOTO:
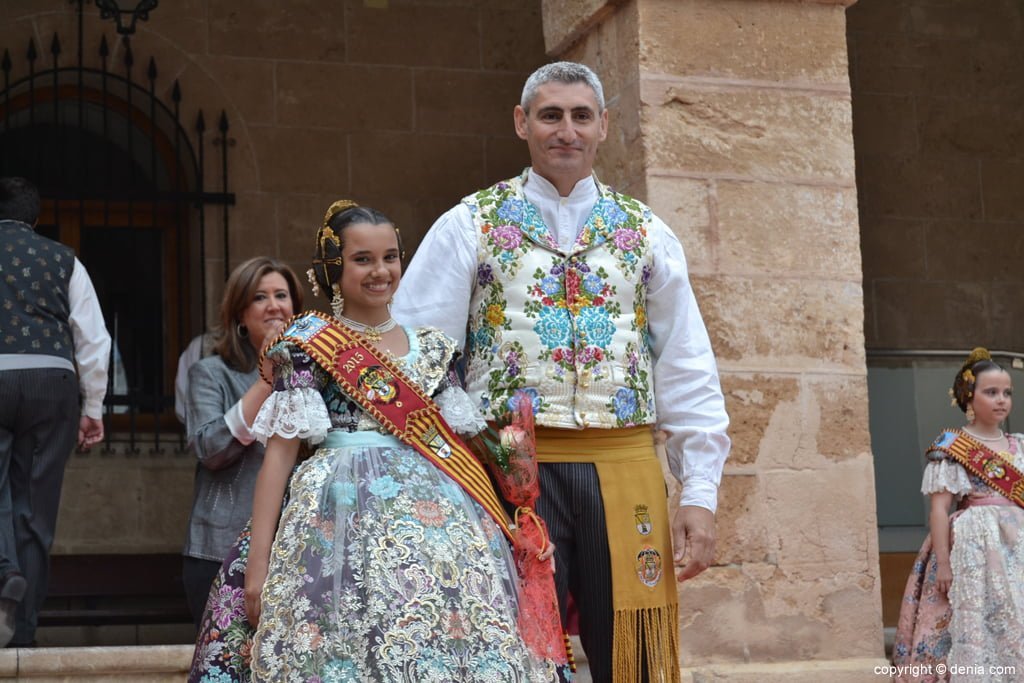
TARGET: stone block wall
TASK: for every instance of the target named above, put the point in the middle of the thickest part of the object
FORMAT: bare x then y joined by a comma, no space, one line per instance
732,119
403,105
937,96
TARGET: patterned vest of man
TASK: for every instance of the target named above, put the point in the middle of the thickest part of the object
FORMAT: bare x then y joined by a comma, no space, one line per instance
35,273
570,329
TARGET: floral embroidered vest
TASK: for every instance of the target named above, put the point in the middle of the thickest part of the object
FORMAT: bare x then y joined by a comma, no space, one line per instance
570,329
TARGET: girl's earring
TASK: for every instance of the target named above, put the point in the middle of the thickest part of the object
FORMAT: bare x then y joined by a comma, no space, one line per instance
337,303
970,414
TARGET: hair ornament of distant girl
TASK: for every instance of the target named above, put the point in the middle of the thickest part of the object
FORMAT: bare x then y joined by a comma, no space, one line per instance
963,385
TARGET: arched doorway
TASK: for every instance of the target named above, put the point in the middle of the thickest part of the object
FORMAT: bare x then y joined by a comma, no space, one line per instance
122,181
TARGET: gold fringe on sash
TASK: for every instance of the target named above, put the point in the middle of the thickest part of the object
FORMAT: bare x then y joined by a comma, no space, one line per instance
659,645
644,591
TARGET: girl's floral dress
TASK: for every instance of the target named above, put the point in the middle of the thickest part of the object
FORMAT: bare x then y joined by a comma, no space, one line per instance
978,632
383,568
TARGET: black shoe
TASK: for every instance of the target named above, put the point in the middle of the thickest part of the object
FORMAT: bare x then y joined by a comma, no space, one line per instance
11,593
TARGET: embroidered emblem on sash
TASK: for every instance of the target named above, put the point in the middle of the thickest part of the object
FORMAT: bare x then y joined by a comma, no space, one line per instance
306,327
643,519
994,470
378,384
436,443
648,566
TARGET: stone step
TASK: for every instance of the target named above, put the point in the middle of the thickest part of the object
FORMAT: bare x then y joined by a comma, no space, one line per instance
138,664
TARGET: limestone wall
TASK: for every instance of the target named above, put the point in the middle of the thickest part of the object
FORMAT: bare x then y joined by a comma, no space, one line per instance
732,118
402,105
937,101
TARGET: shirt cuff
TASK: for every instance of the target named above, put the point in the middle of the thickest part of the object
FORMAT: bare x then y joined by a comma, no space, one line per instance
236,425
700,493
92,406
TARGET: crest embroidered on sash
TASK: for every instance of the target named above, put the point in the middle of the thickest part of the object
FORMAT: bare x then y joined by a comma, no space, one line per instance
643,519
378,384
649,566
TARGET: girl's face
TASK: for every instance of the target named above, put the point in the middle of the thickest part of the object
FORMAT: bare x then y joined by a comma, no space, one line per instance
371,269
271,307
993,398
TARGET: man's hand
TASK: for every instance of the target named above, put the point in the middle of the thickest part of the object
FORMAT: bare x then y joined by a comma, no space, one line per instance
90,432
693,537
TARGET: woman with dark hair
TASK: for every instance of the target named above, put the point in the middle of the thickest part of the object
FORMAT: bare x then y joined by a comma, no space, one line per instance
962,616
224,395
388,560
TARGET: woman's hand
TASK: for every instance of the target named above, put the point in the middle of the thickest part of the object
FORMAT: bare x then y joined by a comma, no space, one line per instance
255,577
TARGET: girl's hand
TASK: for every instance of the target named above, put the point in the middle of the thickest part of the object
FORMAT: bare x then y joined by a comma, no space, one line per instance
548,554
944,578
254,580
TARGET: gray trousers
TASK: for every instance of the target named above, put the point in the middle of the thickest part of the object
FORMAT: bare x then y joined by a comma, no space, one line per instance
39,414
570,504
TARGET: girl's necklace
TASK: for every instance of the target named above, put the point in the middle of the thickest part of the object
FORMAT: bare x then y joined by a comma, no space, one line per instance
979,437
373,333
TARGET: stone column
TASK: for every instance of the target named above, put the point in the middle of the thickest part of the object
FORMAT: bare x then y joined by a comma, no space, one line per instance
731,118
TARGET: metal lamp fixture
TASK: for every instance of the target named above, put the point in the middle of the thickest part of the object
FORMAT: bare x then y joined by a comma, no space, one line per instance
126,12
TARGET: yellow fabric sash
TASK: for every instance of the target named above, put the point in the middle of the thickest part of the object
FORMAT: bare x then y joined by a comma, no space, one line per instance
644,594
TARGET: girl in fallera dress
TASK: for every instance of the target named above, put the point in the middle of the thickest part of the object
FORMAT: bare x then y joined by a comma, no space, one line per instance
379,566
962,617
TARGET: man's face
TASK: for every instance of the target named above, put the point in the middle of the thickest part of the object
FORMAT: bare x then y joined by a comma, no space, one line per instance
562,129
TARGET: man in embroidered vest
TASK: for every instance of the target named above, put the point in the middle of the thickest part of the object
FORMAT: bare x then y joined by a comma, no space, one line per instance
50,322
579,296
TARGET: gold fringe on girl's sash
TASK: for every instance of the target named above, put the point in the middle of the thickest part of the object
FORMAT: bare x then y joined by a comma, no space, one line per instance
658,628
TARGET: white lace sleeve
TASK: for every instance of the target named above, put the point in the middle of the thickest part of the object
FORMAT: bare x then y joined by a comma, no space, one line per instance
945,475
458,410
298,412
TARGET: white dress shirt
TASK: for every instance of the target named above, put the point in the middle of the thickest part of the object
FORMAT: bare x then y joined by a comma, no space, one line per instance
437,288
91,341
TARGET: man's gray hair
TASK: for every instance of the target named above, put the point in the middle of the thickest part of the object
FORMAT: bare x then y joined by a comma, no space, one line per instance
561,72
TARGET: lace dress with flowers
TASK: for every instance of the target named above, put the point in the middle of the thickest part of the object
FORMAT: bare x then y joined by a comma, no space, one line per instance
979,630
383,568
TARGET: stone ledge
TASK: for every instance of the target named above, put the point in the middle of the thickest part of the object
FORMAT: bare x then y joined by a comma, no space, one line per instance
834,671
140,664
166,663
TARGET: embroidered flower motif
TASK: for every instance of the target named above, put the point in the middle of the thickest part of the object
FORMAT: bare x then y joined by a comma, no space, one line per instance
535,399
511,211
550,285
562,356
611,213
484,275
300,379
339,671
430,513
588,356
343,493
512,363
626,239
506,237
594,325
625,403
592,283
228,605
385,487
495,315
641,317
553,327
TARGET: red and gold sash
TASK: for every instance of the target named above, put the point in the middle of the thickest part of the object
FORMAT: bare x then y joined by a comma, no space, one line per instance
379,386
981,461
